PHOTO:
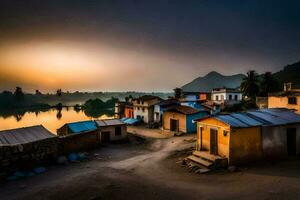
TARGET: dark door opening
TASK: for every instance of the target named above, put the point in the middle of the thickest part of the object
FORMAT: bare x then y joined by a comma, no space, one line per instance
105,137
174,125
291,141
213,141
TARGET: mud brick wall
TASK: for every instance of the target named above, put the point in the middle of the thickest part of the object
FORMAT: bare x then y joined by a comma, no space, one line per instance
27,155
78,142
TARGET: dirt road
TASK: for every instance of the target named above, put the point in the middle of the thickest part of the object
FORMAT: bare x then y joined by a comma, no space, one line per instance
149,171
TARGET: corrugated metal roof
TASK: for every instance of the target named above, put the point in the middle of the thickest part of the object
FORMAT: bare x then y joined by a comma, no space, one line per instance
24,135
184,110
79,127
109,122
262,117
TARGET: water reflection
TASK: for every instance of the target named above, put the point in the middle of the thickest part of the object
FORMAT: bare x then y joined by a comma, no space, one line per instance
52,119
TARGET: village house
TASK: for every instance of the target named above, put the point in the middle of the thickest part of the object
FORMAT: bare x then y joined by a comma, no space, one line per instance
194,99
143,108
226,96
161,107
128,111
111,130
120,109
78,136
26,147
180,119
289,98
240,138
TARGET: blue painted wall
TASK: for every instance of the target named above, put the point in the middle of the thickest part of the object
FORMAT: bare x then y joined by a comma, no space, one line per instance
190,126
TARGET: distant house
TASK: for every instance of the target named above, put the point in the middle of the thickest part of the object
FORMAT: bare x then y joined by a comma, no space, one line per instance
247,136
226,96
194,99
25,147
111,130
181,119
128,111
120,109
161,107
143,108
289,98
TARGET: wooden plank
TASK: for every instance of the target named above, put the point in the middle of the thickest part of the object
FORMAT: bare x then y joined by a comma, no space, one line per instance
206,155
200,161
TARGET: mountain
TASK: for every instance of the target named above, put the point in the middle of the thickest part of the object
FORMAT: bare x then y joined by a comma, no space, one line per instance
290,73
213,80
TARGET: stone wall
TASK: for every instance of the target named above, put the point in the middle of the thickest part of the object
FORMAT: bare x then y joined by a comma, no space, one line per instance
27,155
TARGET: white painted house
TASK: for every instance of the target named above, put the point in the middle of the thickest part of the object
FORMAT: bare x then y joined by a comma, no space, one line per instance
226,96
143,108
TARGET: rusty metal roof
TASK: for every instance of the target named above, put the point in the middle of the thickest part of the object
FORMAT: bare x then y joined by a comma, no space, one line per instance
184,110
24,135
109,122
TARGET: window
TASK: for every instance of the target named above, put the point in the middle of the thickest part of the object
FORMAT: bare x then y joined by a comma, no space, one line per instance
236,97
217,98
142,102
230,97
118,131
225,133
143,109
138,108
292,100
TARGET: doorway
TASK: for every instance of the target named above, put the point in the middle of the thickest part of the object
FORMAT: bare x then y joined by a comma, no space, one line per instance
291,141
174,125
105,137
214,141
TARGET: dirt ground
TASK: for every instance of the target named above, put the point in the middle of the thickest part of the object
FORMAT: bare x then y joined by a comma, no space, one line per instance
149,170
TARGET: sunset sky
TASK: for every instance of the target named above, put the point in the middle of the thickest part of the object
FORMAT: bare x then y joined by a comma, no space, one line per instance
125,45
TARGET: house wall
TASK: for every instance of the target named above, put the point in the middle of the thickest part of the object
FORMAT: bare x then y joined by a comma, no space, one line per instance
238,145
274,141
79,142
245,145
157,113
113,136
129,112
223,141
190,124
167,116
282,102
27,155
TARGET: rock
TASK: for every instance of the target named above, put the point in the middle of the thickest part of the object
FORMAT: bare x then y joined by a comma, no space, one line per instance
72,157
232,169
62,160
39,170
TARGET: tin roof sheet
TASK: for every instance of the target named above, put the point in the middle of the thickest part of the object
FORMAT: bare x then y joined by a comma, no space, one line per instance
262,117
109,122
24,135
79,127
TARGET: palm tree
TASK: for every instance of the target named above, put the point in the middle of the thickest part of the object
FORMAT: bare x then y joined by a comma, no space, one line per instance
268,84
250,85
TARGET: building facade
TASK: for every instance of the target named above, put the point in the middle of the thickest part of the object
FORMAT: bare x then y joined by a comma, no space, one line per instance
181,119
143,108
289,98
226,96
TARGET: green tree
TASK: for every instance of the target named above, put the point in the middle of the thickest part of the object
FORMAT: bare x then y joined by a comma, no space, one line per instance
250,85
178,93
19,95
59,92
268,84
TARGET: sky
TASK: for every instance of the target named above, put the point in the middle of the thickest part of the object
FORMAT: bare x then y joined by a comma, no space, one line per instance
136,45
